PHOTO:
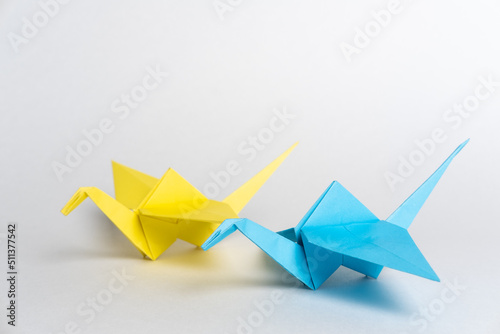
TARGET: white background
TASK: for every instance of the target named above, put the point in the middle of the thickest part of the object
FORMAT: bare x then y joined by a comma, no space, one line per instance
354,121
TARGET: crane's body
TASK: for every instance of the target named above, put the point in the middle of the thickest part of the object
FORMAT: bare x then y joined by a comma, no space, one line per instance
340,230
152,213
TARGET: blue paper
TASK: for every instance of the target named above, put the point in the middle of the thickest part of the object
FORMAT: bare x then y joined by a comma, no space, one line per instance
340,230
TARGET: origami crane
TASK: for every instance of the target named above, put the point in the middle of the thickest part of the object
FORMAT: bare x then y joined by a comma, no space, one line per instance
340,230
152,213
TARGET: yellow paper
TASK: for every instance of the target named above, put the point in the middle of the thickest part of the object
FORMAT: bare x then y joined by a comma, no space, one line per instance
152,213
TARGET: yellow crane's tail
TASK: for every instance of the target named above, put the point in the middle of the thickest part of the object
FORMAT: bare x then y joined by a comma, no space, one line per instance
240,197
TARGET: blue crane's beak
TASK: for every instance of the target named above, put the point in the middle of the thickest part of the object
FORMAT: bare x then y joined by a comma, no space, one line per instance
226,228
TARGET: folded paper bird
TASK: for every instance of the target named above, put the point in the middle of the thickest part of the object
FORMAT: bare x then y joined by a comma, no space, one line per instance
340,230
153,213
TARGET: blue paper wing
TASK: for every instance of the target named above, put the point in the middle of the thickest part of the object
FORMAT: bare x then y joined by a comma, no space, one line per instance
380,243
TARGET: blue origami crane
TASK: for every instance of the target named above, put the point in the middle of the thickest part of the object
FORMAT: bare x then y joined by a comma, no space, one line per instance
340,230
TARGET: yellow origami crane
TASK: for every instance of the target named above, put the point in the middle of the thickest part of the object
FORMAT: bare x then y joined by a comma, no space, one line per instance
153,213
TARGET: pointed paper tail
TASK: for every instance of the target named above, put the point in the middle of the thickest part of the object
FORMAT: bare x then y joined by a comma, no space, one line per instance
404,215
125,219
241,196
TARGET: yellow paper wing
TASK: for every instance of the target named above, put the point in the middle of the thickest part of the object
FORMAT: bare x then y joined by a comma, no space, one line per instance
195,225
131,186
171,190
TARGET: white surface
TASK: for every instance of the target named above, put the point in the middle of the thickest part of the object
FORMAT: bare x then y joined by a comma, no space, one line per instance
353,121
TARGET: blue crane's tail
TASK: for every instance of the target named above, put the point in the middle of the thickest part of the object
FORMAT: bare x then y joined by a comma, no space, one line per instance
404,215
